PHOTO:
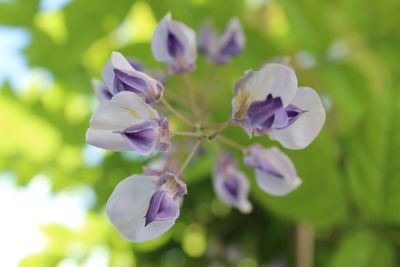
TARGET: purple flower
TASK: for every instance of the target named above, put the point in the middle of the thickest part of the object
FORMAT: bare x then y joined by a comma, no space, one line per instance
143,207
120,74
275,172
229,44
220,49
230,184
126,122
268,101
101,90
206,37
175,43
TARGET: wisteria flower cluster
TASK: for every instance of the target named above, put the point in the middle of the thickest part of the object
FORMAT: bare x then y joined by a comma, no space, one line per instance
265,102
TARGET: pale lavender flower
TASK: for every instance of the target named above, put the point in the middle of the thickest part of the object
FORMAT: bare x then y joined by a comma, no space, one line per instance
275,172
175,43
229,44
101,90
206,37
120,74
220,49
126,122
143,207
269,102
230,184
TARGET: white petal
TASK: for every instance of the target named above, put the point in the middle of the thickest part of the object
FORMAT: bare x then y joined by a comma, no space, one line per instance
107,73
127,207
106,139
98,87
188,37
276,79
123,110
243,204
306,128
118,61
159,40
272,184
234,26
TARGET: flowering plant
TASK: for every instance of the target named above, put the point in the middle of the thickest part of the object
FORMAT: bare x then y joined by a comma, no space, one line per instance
265,102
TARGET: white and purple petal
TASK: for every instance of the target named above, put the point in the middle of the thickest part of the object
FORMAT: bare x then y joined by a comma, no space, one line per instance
126,122
230,184
101,90
128,205
230,44
175,43
275,172
119,74
269,89
307,116
206,37
161,208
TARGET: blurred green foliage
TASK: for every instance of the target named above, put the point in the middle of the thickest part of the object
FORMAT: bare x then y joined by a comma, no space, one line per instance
348,50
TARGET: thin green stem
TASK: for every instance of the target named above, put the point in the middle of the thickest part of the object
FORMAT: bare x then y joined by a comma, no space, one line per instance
212,126
177,113
188,134
220,130
231,143
192,95
189,158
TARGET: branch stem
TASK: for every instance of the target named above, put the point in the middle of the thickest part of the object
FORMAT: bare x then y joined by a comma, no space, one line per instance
212,126
187,134
220,130
189,158
191,95
305,245
177,113
231,143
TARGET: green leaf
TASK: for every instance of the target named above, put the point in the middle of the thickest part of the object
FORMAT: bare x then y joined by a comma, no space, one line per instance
364,249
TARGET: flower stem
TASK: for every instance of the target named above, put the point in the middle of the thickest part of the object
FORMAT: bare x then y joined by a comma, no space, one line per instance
305,245
177,113
228,141
192,96
194,149
188,134
220,130
212,126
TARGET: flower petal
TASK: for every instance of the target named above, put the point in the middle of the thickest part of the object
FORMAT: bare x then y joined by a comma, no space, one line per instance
206,37
230,44
158,42
127,207
308,125
277,186
101,90
236,197
175,43
137,81
107,139
276,79
107,73
125,109
188,36
161,208
142,137
230,184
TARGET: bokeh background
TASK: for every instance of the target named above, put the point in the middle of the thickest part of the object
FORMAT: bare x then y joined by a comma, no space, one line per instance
53,187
